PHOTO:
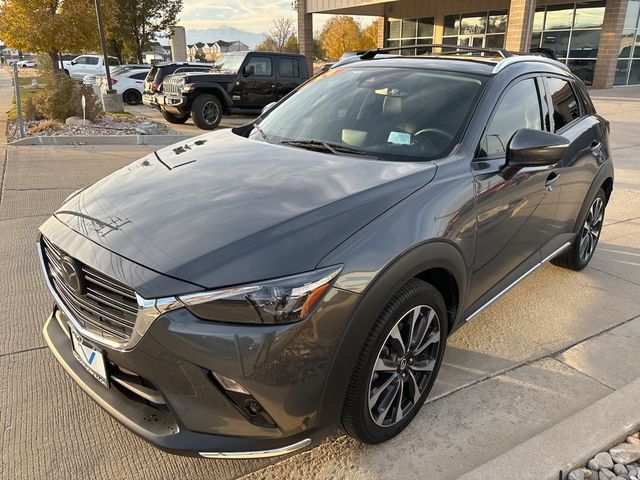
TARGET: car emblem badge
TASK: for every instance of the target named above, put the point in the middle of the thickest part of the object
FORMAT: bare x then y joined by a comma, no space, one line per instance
72,275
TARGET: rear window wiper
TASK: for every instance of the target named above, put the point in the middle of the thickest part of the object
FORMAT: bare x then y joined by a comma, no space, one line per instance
330,147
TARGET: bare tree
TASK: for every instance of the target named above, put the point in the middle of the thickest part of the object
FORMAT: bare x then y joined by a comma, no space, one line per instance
279,34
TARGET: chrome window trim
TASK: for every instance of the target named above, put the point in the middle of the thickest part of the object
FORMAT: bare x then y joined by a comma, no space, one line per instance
148,311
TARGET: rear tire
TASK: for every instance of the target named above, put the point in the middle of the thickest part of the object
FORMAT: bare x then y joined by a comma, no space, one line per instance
206,111
584,245
132,97
175,119
393,377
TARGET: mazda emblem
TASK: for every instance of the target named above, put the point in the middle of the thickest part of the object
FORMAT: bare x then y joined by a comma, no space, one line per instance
73,277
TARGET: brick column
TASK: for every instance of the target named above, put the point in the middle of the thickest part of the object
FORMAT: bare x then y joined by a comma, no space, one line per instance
305,33
610,39
382,29
520,25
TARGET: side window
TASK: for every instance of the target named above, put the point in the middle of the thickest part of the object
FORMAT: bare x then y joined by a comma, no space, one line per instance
93,60
262,66
288,67
81,60
113,61
519,108
139,76
565,106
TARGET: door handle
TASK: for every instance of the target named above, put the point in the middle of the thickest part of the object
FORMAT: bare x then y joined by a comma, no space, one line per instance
551,180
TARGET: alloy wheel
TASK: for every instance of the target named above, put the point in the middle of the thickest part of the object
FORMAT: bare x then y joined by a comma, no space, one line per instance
404,366
210,112
591,229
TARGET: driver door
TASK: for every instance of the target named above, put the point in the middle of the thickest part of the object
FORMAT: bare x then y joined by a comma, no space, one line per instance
516,208
259,87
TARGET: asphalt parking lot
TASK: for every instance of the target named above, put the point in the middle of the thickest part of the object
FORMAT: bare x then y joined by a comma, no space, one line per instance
556,343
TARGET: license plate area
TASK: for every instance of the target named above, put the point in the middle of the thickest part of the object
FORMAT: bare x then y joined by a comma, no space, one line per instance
90,357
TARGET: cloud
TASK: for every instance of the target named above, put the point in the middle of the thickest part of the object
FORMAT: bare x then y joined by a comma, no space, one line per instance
250,15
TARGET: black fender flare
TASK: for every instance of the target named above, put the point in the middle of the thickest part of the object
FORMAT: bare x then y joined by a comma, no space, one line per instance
215,89
432,254
606,171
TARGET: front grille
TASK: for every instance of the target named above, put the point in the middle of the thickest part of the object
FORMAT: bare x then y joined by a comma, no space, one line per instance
104,306
170,87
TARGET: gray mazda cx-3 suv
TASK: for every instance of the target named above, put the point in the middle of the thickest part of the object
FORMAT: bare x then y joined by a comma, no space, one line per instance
251,291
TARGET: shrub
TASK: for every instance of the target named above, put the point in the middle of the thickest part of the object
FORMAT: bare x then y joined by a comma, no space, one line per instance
31,108
44,126
61,98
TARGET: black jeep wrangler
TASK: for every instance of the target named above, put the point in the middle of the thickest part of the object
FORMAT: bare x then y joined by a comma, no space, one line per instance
243,83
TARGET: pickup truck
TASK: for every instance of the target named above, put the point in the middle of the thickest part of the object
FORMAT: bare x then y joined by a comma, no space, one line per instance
84,65
243,83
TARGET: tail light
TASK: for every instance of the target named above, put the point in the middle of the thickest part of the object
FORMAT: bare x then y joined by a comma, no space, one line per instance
113,81
154,86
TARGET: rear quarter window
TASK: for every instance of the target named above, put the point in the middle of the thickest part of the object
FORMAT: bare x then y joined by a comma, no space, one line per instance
565,104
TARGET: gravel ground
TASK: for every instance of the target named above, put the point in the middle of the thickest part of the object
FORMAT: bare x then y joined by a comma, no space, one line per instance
621,462
104,125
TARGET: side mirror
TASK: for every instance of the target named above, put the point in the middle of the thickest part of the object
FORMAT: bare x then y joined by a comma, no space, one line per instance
529,148
248,70
268,107
73,62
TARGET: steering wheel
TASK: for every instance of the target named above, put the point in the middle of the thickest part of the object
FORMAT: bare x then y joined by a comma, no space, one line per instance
439,131
444,138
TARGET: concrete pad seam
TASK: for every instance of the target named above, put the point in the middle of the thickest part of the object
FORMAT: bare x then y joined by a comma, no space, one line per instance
25,216
615,276
584,373
26,350
36,189
530,361
621,221
625,147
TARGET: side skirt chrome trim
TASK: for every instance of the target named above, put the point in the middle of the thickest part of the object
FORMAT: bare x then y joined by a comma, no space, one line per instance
520,278
260,453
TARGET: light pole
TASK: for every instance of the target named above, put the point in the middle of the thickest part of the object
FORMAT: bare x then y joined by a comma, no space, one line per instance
103,41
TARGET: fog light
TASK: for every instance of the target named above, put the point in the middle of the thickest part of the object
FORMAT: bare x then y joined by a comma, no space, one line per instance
230,384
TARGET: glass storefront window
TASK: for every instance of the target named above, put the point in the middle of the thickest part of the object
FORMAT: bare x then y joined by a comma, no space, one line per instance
452,25
494,41
538,19
634,73
408,32
622,71
589,15
497,22
626,44
471,24
559,17
584,44
631,18
557,41
583,69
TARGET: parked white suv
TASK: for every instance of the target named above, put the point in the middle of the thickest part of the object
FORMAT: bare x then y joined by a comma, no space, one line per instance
87,65
127,81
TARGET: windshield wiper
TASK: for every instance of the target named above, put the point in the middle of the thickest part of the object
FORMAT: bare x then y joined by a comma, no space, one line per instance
261,132
330,147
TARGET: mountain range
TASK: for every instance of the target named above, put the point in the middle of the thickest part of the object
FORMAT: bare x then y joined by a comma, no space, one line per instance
224,32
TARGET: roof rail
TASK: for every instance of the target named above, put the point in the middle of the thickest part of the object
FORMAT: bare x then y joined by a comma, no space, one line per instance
505,62
369,54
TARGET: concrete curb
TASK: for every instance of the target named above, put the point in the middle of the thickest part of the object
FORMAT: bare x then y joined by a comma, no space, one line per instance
103,140
571,443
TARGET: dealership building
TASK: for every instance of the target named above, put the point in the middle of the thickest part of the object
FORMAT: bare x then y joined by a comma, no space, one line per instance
598,40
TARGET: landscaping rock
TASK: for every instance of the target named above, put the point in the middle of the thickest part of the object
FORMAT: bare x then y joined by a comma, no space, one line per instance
601,460
606,474
580,474
625,453
633,471
148,128
620,469
632,439
77,121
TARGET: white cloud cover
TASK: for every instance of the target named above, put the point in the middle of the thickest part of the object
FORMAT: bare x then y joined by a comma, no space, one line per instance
250,15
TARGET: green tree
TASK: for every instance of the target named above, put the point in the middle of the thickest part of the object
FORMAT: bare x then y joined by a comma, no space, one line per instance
49,26
138,23
292,45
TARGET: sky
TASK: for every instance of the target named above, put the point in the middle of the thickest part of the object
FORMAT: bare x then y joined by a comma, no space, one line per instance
250,15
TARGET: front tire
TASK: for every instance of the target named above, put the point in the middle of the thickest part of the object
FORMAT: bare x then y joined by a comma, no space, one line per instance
581,251
206,111
175,119
398,364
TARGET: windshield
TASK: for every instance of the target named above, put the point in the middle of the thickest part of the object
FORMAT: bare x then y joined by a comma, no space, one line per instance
230,63
389,113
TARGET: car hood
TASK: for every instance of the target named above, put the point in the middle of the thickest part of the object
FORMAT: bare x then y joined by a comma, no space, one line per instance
204,77
222,209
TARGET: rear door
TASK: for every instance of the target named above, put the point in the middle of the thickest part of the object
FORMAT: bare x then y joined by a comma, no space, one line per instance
288,75
515,207
575,119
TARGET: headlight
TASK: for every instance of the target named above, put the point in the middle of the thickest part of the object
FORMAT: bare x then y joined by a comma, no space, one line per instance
284,300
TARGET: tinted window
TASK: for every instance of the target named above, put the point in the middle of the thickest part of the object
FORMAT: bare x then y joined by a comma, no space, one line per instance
92,60
565,105
139,76
288,67
81,60
113,61
519,108
262,66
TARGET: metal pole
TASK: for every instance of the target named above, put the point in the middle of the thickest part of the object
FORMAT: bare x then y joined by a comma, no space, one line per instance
18,101
103,41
